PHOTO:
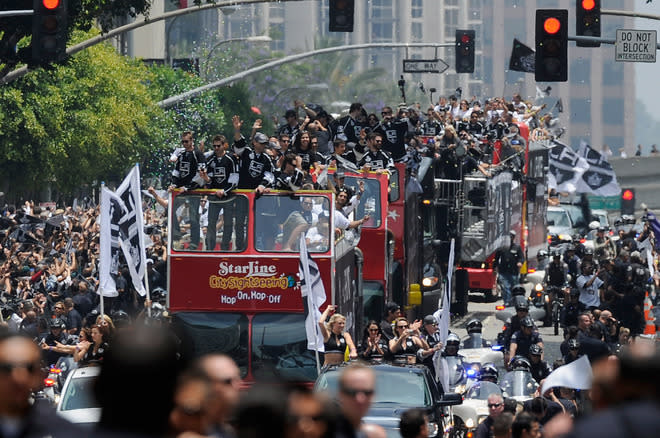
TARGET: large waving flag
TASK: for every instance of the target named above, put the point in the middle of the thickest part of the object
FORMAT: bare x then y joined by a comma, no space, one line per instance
522,58
599,179
112,210
565,168
313,294
575,375
131,227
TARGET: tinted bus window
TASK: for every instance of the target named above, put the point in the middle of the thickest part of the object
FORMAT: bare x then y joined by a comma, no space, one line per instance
204,333
279,348
279,221
369,202
208,223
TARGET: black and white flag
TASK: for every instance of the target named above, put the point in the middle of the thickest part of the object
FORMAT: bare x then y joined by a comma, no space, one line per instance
313,294
131,228
565,168
112,210
523,58
599,179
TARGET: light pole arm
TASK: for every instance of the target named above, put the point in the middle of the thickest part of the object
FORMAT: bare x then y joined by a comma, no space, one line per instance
287,59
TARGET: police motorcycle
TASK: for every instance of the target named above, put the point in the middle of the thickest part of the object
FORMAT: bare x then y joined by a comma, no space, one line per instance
453,365
474,408
536,303
477,351
519,382
57,374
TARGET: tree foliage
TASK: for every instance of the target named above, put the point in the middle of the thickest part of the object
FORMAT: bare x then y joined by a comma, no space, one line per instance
86,121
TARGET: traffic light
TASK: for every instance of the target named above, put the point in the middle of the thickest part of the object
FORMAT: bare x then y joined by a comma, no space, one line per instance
587,21
49,31
628,202
341,15
551,45
464,51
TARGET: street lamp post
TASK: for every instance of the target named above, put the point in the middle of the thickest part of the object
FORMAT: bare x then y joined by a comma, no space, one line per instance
251,39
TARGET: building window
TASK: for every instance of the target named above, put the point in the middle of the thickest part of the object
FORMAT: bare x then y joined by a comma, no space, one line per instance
416,8
474,10
613,111
615,143
581,111
613,74
416,31
382,9
381,32
580,71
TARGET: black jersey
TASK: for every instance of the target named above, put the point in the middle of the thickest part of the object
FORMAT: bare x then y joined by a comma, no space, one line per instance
351,128
309,157
394,137
223,172
376,160
253,169
432,128
293,182
185,173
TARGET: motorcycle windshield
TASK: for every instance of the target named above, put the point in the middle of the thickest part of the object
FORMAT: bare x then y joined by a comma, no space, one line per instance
456,371
473,341
518,384
481,390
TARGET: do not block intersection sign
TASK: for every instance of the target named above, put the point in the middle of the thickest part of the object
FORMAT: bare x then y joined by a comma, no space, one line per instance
635,45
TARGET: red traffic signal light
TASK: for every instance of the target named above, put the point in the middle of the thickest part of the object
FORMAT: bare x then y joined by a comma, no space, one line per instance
50,4
628,201
587,21
551,64
465,51
551,25
628,195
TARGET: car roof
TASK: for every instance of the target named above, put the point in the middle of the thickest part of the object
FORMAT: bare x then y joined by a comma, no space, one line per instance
415,368
89,371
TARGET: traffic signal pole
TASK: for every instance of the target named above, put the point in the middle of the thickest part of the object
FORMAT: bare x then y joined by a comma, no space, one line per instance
17,13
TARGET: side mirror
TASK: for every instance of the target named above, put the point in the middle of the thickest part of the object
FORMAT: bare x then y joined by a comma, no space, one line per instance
450,399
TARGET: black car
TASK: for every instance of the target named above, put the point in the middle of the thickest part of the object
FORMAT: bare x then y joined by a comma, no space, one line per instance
399,388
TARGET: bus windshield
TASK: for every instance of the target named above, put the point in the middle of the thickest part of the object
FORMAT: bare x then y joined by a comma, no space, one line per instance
279,348
204,333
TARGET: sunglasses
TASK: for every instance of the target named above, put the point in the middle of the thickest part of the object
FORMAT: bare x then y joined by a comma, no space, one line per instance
403,326
352,392
373,330
9,367
217,145
494,405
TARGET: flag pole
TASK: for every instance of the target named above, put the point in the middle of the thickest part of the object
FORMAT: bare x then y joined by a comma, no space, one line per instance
144,249
101,308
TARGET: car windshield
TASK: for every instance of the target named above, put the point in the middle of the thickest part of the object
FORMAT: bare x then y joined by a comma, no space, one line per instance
398,386
279,347
203,333
481,390
559,218
79,394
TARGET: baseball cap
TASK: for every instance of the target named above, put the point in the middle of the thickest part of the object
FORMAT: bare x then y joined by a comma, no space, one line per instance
260,138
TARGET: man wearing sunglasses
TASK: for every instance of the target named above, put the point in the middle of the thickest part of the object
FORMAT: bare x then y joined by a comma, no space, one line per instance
356,390
20,375
495,408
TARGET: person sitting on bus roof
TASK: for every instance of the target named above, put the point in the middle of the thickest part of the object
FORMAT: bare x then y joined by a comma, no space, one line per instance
289,177
335,339
376,159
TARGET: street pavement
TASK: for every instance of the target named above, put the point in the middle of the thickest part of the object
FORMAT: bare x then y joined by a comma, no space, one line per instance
485,312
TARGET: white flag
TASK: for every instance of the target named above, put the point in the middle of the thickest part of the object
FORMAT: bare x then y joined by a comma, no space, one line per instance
575,375
112,210
442,316
599,179
565,168
131,228
313,294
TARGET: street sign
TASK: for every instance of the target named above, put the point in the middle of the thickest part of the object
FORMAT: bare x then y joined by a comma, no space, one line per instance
424,66
635,45
605,202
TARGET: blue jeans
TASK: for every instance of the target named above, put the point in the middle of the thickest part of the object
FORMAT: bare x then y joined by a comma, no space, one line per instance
507,282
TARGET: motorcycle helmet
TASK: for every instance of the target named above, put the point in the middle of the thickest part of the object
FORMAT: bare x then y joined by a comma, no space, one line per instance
588,251
518,290
520,363
489,373
158,295
556,253
541,254
573,344
570,247
474,326
527,322
575,292
57,323
453,340
535,350
120,318
522,305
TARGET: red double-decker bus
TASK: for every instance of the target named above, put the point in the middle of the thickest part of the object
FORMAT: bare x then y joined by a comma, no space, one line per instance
239,293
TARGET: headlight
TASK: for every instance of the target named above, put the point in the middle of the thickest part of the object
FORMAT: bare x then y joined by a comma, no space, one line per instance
538,287
429,281
481,418
433,429
469,423
460,389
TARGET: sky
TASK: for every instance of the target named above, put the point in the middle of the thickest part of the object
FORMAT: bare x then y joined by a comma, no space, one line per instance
647,73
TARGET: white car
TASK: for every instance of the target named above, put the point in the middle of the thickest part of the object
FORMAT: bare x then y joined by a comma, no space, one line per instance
77,403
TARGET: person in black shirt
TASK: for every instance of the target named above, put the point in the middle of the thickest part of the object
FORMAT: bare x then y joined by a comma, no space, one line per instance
376,159
289,177
187,174
341,158
350,125
393,133
255,172
221,175
291,127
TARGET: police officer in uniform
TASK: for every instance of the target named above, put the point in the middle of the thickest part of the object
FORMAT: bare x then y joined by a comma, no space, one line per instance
523,339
